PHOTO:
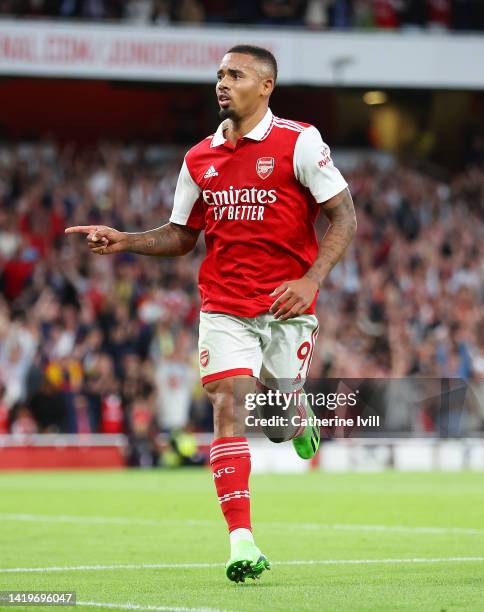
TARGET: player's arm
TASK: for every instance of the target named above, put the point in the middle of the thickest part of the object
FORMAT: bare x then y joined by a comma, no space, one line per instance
341,214
170,240
297,295
177,237
314,168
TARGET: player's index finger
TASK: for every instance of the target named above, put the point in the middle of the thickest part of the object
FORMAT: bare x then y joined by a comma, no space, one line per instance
80,229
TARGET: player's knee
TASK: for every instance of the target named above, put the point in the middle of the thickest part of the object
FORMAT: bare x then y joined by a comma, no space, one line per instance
227,397
220,395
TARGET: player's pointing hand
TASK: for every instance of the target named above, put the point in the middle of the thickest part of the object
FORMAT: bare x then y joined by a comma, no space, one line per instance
102,240
294,299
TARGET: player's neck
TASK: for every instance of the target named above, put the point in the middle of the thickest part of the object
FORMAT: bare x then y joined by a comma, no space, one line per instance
239,129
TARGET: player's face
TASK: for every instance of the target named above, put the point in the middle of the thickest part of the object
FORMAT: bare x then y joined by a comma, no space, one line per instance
243,84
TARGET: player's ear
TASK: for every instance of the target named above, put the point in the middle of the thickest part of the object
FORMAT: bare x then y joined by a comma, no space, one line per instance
267,86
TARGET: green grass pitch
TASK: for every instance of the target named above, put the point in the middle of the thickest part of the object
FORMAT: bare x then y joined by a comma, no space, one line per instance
419,540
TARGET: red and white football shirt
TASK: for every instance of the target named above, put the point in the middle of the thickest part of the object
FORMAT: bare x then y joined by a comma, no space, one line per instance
257,202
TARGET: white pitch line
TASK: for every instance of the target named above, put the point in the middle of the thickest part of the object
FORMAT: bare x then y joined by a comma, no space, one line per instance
125,566
113,520
101,520
379,561
380,528
76,568
130,606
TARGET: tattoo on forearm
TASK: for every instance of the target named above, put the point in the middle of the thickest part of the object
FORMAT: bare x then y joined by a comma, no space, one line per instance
341,214
169,240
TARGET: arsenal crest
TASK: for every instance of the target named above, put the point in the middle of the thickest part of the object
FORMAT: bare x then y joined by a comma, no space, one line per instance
264,166
204,358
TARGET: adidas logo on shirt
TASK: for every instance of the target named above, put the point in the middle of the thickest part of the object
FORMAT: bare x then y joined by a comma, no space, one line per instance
210,172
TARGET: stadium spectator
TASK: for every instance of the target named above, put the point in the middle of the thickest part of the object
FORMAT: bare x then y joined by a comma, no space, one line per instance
386,14
341,14
282,12
189,11
439,13
24,424
216,10
175,378
4,410
316,14
143,447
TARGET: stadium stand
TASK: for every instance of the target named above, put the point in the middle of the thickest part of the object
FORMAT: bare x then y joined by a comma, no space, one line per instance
461,15
108,344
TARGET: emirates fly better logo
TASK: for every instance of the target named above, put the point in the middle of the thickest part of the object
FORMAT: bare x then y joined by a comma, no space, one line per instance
264,166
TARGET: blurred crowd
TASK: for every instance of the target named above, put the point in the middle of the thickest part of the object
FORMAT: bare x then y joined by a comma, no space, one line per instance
467,15
109,344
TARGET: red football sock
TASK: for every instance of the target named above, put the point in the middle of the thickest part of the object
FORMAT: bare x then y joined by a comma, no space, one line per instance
230,462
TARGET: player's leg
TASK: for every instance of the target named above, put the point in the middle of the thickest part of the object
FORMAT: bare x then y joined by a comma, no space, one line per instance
229,355
286,361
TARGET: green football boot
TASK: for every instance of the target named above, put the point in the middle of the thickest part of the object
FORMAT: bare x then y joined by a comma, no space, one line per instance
247,562
307,444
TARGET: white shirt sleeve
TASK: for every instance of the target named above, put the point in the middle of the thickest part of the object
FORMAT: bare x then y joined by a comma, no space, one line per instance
314,168
187,193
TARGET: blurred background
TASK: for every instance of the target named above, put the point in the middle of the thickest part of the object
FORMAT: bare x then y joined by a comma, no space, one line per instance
99,101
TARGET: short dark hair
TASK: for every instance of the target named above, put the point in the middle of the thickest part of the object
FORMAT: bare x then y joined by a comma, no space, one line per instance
258,52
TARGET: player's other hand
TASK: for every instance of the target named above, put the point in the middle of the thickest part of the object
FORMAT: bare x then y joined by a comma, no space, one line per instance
102,240
294,298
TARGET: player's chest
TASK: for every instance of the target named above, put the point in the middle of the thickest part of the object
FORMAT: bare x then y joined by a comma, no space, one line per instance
248,168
